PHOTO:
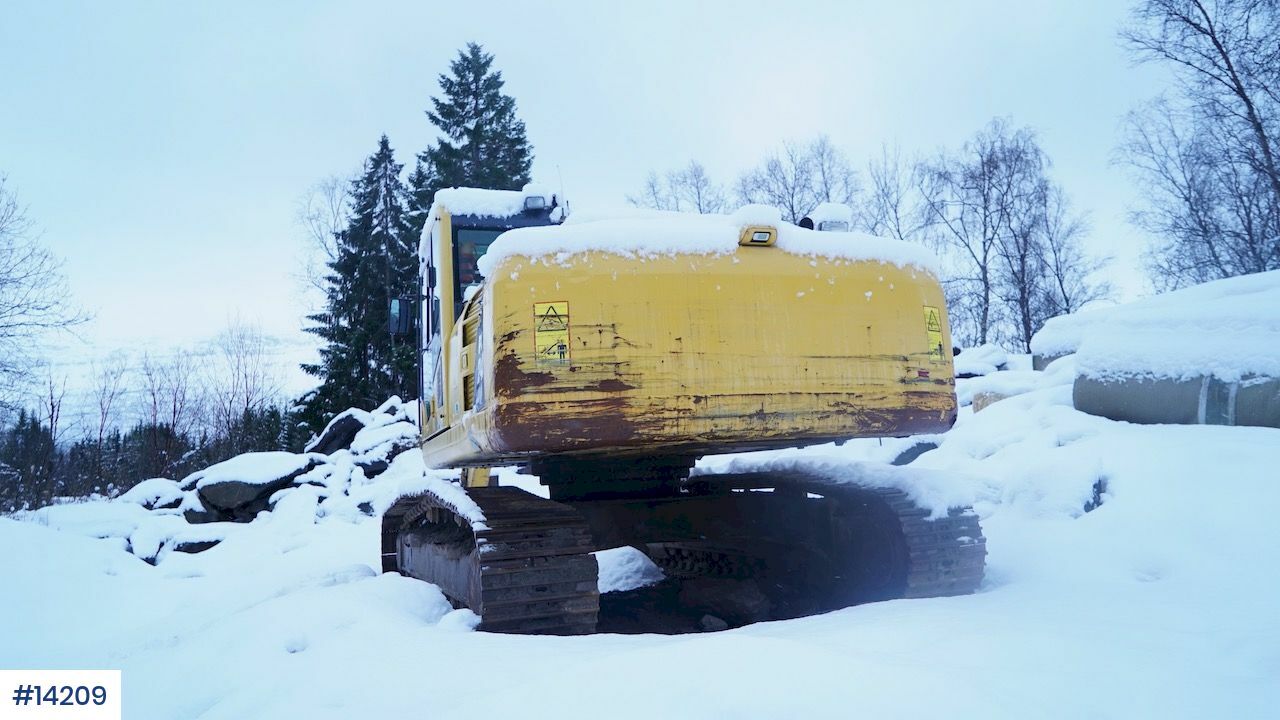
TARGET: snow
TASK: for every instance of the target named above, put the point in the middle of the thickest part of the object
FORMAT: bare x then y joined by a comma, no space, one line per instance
489,203
153,492
371,438
828,212
257,468
936,491
625,568
648,234
1159,603
1227,328
474,201
981,360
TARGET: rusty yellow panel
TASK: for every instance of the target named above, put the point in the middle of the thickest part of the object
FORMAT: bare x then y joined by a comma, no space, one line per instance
697,354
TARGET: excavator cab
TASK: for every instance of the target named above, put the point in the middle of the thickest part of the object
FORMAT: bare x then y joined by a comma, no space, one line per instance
464,222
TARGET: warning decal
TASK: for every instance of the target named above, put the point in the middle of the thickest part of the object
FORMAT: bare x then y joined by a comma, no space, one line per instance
551,333
933,329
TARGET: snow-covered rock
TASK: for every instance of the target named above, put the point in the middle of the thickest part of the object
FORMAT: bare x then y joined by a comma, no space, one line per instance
342,430
244,480
980,360
156,493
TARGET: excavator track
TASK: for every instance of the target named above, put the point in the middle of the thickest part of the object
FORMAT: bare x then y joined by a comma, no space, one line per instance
880,544
526,568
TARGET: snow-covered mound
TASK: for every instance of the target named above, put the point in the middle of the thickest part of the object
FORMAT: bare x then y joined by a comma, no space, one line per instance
648,234
1128,577
829,216
1228,329
980,360
625,568
159,516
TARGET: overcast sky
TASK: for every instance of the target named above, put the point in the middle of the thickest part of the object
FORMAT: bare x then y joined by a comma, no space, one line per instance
163,147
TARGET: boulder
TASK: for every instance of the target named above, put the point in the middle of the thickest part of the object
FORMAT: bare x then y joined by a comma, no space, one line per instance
376,462
982,400
193,546
200,517
339,433
242,485
908,456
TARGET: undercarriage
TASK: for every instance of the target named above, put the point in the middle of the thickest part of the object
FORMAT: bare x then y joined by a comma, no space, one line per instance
804,542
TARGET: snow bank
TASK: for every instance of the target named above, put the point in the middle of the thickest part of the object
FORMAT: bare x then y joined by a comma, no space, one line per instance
981,360
1227,329
1007,383
653,234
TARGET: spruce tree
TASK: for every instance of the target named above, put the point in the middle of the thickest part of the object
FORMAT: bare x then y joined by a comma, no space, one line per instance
361,363
484,143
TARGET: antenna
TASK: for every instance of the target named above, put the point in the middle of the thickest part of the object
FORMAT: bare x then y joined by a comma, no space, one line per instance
563,199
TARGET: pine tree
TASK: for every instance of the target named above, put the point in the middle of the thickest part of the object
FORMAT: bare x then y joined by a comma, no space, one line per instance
29,460
361,363
484,143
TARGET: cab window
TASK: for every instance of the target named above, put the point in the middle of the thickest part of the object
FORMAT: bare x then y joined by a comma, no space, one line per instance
470,245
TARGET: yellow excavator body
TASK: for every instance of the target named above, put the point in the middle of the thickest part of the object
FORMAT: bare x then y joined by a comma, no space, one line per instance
688,354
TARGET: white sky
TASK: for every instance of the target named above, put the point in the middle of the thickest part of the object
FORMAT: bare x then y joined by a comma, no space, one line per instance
163,147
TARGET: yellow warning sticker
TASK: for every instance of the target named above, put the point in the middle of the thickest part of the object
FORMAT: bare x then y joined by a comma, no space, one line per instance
551,333
933,329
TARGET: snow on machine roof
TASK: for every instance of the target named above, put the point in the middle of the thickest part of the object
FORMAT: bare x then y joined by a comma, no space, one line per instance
650,233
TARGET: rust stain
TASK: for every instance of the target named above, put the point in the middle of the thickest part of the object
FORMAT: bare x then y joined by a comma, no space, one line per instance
509,380
532,426
610,385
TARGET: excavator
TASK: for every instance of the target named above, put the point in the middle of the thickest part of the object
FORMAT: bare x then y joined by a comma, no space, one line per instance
607,356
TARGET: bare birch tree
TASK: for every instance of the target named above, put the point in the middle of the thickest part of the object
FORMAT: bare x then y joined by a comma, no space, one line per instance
108,390
800,177
969,198
1209,157
244,379
689,189
892,206
34,297
171,409
322,213
1072,276
1014,246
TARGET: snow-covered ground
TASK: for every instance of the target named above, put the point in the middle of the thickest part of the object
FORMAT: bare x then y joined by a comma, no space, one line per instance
1162,602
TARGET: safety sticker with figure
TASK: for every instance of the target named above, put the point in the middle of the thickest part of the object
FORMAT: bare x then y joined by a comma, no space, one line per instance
551,332
933,329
